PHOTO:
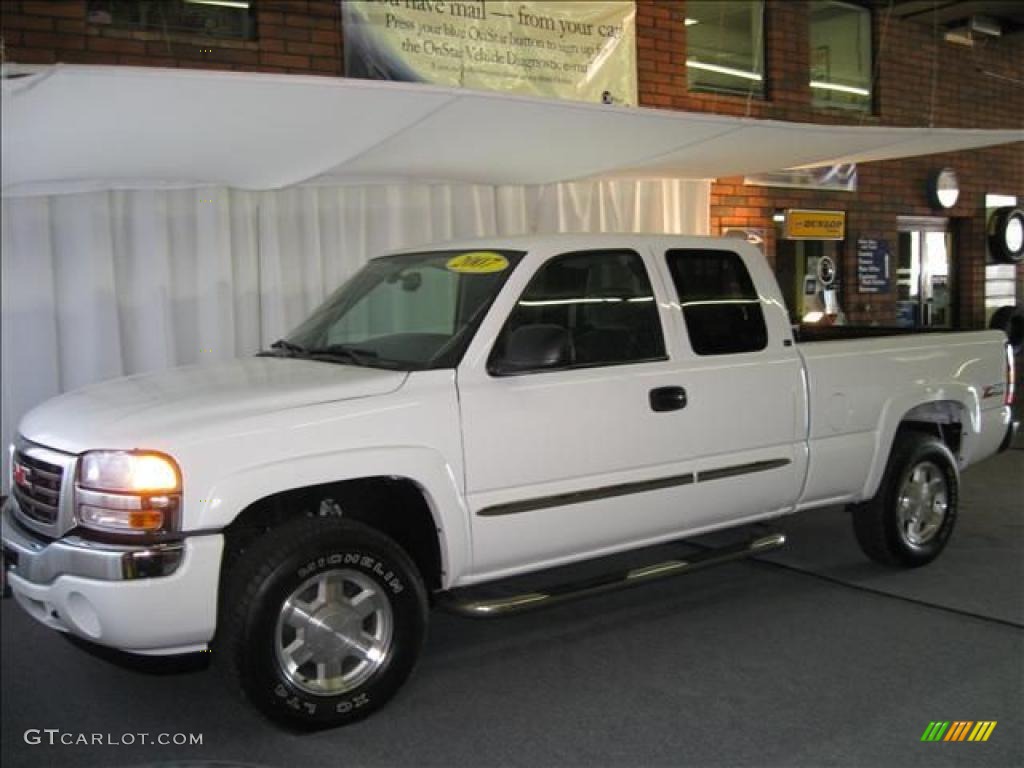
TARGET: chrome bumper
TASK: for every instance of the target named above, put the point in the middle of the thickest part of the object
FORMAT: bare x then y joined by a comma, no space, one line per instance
41,561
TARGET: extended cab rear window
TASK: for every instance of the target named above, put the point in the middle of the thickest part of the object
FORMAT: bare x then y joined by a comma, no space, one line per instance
720,304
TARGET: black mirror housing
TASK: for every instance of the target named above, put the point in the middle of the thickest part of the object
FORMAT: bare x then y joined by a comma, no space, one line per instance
541,346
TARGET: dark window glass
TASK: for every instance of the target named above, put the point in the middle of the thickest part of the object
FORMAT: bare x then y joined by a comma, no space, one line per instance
725,46
720,304
603,298
840,55
228,18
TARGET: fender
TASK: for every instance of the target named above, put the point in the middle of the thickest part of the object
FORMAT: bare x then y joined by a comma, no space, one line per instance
896,409
233,493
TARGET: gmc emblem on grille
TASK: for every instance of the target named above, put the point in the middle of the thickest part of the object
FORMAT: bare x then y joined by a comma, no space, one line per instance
22,476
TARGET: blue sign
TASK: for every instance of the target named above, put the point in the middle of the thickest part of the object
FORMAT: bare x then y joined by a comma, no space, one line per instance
873,266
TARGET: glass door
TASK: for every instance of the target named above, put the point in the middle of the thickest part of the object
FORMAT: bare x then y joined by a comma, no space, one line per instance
924,278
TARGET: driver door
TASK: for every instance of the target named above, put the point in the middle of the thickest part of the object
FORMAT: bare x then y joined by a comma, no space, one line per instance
575,456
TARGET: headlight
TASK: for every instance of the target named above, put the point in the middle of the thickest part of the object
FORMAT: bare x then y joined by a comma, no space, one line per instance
128,492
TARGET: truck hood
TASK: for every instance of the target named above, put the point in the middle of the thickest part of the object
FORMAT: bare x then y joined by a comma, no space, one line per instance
148,410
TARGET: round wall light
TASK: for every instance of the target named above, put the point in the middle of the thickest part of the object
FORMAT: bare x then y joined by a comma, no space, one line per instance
943,188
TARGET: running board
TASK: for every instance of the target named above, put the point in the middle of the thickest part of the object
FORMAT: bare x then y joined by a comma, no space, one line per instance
563,593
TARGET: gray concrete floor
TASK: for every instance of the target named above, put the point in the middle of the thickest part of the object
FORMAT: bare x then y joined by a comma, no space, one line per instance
808,657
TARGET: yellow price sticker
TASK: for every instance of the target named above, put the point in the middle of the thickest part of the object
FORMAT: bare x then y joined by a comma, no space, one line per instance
477,263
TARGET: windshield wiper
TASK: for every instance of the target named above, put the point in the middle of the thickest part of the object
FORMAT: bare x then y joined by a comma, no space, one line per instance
345,352
283,345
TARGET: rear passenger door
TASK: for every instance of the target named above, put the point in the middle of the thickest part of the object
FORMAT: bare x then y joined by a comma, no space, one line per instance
746,414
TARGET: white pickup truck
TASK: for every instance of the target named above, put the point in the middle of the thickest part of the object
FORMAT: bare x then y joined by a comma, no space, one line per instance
455,416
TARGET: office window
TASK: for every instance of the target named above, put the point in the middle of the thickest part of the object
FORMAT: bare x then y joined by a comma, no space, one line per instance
209,18
725,46
840,55
720,305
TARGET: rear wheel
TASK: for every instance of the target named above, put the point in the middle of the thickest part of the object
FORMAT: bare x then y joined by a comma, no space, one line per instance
910,519
322,621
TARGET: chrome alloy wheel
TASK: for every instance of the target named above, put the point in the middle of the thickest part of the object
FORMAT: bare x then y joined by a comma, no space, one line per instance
923,503
334,632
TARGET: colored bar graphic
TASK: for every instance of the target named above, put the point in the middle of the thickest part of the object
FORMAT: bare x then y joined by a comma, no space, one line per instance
935,730
958,730
984,730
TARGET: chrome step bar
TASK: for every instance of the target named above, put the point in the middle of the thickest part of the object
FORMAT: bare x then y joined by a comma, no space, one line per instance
467,606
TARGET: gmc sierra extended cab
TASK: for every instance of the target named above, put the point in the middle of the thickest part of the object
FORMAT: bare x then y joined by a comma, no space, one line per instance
456,416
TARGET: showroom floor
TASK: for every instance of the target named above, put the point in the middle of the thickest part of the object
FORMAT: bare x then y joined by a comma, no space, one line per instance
811,657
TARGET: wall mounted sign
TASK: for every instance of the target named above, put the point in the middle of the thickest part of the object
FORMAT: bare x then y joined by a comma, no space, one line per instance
943,188
814,225
583,50
873,274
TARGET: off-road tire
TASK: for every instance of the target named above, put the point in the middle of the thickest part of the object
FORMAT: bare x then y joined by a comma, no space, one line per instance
877,523
269,572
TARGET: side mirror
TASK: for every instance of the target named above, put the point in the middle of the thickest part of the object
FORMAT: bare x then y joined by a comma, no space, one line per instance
534,347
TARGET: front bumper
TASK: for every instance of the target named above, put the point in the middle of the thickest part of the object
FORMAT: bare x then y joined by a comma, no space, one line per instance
157,600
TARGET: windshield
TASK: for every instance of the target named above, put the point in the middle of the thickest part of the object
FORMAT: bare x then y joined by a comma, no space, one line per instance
409,312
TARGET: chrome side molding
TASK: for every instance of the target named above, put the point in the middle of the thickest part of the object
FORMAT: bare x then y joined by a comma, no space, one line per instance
487,608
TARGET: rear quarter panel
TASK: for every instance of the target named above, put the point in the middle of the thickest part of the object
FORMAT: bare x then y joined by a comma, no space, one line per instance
861,390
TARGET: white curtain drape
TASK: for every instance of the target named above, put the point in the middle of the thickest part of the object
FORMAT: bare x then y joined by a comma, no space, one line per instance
103,284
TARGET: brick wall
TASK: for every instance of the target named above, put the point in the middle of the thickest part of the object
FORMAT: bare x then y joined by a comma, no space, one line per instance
293,36
921,81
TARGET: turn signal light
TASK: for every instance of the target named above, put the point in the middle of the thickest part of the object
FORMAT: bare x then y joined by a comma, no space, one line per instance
120,519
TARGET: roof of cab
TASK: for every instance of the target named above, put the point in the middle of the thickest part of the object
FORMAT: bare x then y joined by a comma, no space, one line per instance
568,241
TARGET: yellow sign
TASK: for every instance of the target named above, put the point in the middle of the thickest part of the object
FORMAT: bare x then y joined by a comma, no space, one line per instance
477,263
815,225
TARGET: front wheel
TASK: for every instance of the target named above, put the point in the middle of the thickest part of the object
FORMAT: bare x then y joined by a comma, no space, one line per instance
911,517
322,621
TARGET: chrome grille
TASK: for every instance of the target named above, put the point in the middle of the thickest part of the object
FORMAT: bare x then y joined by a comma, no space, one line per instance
37,486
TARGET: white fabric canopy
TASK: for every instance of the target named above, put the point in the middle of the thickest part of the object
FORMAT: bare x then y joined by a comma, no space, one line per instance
70,128
102,284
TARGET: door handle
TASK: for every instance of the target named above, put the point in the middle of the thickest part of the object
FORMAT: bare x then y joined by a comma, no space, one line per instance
668,399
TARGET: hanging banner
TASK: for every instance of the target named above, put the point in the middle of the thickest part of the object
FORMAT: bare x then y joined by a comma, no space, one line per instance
583,50
830,178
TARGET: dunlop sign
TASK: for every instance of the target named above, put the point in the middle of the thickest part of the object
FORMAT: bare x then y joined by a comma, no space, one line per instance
583,50
815,225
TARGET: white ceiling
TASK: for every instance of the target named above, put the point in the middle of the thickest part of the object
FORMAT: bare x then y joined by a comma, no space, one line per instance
68,128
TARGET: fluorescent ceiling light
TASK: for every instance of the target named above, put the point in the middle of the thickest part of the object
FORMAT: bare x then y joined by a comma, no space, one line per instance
243,4
841,88
691,22
723,70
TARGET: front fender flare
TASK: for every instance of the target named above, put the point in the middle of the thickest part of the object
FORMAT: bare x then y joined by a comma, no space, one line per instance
437,480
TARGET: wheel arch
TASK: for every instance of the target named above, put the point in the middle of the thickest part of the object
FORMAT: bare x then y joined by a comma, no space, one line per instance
410,494
953,417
